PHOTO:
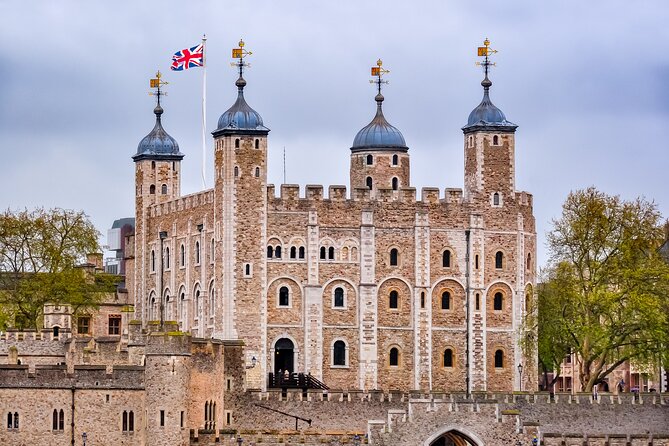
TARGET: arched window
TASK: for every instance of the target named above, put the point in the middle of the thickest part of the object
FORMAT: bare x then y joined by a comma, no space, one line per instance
495,199
61,420
257,143
182,306
167,257
153,164
54,421
369,182
284,296
152,189
395,183
277,252
448,358
247,269
152,307
163,189
322,252
183,255
529,261
168,306
393,299
212,300
395,159
370,160
212,254
237,143
331,253
394,360
477,303
236,171
471,141
495,140
445,300
270,252
197,253
497,301
339,297
394,254
16,420
499,260
446,259
293,252
499,359
124,421
257,172
476,261
339,353
131,421
301,252
153,261
344,253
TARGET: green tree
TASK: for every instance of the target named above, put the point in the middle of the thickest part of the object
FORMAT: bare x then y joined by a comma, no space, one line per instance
606,297
40,252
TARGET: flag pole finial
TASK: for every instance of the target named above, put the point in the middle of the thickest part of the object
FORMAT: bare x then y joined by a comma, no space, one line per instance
485,51
240,53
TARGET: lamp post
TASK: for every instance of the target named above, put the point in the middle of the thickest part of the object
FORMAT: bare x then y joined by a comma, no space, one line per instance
84,437
239,440
520,376
253,363
162,235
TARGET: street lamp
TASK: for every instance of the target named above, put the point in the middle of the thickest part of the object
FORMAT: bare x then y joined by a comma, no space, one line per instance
253,363
239,440
162,235
84,437
520,376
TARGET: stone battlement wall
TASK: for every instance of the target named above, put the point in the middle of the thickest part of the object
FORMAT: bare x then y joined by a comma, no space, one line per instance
83,377
429,195
191,201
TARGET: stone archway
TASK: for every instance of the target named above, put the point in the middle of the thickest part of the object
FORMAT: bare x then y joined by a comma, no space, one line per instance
453,436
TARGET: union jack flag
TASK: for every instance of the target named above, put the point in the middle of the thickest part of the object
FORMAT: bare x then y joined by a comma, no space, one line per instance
188,58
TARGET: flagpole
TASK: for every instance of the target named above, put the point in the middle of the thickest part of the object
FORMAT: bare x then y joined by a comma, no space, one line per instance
204,109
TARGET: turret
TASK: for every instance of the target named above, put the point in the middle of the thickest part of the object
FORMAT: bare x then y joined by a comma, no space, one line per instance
157,180
489,148
379,155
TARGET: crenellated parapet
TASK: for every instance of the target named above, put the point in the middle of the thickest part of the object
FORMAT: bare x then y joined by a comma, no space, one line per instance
184,203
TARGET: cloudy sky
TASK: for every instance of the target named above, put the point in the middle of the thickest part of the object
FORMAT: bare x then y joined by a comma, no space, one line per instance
584,80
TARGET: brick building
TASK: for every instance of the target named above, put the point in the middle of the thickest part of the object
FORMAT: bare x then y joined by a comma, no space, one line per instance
371,288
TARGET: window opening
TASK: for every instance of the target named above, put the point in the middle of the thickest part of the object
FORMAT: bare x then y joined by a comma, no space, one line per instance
369,182
237,143
257,172
322,252
162,418
293,252
422,299
331,253
163,189
499,260
197,253
167,258
153,261
395,159
84,325
495,199
270,252
448,358
499,359
477,304
394,357
339,353
152,189
446,259
114,325
284,296
446,300
395,183
257,144
236,171
370,160
277,252
183,255
476,261
393,299
301,252
497,304
495,140
339,297
393,257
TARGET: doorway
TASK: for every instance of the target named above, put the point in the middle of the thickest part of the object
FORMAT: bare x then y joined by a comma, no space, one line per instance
453,438
284,356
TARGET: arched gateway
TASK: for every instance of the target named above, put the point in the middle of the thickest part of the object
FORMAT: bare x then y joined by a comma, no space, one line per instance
453,436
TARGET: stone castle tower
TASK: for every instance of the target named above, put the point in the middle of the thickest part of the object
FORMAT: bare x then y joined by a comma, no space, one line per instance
372,289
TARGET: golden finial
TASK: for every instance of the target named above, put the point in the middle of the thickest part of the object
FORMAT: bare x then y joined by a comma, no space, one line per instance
377,72
240,53
157,83
485,51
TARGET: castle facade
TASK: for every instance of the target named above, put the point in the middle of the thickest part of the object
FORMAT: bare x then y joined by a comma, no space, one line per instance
371,288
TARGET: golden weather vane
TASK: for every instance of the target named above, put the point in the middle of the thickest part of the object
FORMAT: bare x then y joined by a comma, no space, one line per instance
157,82
240,53
485,51
377,72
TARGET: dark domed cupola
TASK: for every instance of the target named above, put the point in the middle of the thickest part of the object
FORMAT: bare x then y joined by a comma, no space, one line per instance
158,144
379,134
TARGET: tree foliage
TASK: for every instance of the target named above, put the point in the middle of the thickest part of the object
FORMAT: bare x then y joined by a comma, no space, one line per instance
606,293
40,252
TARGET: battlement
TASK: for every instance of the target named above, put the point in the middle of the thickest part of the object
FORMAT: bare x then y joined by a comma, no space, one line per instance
83,377
338,193
183,203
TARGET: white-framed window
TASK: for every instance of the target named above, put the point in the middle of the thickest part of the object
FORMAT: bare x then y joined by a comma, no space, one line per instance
339,354
283,297
339,297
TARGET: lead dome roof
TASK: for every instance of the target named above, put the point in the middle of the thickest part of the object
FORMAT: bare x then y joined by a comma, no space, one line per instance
379,134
